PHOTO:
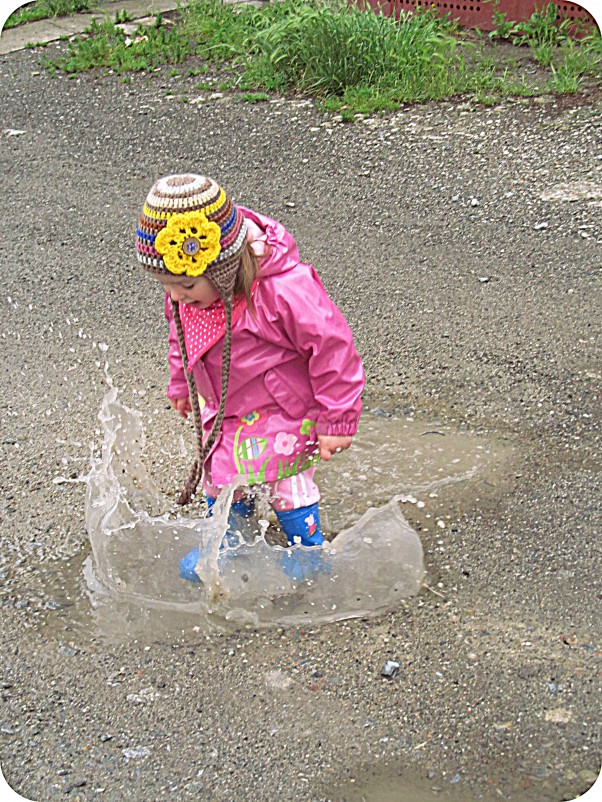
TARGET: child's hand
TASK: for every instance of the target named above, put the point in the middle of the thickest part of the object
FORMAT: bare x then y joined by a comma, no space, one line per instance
330,445
181,406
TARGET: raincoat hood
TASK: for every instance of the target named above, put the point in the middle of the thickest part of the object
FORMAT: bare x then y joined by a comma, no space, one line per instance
283,252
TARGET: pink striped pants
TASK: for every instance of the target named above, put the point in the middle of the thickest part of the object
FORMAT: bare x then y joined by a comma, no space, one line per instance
292,493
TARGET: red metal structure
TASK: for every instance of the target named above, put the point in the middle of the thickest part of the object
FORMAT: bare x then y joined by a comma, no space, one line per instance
479,14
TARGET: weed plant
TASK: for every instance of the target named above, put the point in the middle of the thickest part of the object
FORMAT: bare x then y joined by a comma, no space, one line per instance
107,46
575,63
553,43
504,28
46,9
545,27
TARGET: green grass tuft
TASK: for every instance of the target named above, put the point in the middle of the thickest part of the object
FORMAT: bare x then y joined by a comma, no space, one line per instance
106,46
254,97
47,9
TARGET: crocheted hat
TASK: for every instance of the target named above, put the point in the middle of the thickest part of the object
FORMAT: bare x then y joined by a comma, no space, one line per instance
190,227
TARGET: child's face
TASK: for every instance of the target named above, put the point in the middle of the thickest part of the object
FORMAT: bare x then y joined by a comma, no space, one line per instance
198,292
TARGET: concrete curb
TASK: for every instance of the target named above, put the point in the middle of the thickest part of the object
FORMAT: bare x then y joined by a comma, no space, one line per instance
51,30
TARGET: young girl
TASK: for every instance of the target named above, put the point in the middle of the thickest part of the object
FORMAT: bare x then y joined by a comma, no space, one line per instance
258,352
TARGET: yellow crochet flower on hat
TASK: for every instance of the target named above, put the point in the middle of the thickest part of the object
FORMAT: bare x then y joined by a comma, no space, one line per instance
188,243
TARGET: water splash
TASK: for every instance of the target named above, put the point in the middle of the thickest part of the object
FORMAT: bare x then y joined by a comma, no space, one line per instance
136,546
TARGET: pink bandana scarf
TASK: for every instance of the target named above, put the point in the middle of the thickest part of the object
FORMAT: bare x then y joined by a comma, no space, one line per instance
204,327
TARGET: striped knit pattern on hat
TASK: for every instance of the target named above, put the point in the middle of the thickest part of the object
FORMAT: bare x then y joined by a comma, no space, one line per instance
171,202
190,227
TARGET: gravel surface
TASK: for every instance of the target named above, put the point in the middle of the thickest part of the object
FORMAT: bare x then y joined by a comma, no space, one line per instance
463,244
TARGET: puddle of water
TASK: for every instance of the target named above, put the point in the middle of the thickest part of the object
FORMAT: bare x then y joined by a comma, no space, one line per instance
409,784
426,462
400,786
130,587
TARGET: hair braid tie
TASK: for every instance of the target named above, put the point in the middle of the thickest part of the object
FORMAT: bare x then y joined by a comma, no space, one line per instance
196,471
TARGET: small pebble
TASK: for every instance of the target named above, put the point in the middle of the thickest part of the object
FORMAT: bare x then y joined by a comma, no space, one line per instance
76,784
390,669
136,752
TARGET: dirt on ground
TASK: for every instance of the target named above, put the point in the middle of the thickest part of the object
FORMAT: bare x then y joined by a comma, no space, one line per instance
463,245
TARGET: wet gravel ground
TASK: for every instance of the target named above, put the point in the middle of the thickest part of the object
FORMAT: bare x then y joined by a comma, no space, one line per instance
472,288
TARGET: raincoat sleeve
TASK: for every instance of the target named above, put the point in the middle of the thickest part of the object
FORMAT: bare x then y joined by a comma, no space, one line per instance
318,330
177,387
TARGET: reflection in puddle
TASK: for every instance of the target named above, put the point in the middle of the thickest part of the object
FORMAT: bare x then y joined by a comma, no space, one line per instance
385,783
132,586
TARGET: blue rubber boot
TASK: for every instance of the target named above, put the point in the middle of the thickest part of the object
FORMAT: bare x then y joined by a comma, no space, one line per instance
188,564
240,509
302,527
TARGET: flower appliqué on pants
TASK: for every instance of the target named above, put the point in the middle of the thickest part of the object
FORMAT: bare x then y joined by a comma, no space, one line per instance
250,418
285,443
188,243
306,426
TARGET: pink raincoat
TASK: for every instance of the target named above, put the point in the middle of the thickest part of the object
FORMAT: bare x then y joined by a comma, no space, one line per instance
294,371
